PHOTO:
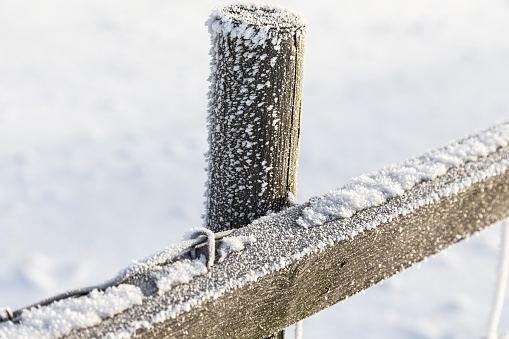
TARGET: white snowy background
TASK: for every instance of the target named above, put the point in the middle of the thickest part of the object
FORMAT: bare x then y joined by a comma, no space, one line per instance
102,135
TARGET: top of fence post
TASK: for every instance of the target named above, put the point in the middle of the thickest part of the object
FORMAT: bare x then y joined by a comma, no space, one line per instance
254,112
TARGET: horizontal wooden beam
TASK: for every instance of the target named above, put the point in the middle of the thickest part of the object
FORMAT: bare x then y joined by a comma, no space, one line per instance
293,272
285,267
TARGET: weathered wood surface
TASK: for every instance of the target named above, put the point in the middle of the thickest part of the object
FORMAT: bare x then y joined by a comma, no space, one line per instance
317,279
254,115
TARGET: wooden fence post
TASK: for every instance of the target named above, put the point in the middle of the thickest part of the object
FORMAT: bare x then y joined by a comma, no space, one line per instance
254,113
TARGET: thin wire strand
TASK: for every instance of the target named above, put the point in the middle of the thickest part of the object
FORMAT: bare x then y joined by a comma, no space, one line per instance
503,272
298,330
199,236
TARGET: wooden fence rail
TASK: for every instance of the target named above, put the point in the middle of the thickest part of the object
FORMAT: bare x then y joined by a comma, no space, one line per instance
285,267
292,272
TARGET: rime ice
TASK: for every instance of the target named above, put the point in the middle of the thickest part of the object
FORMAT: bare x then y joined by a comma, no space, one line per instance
254,112
60,318
281,241
375,188
233,244
180,272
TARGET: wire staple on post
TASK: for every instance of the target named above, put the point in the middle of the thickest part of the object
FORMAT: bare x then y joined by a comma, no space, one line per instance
196,233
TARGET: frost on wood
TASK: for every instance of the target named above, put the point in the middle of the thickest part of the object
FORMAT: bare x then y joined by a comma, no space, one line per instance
254,112
165,269
292,272
255,24
233,244
374,188
180,272
160,258
60,318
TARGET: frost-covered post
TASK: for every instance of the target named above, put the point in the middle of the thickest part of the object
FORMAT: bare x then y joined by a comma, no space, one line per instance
254,112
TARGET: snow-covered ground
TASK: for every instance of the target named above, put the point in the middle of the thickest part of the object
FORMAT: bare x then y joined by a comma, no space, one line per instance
102,135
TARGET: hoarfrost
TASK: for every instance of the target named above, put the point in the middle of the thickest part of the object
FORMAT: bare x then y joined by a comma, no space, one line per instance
248,44
375,188
279,243
233,244
157,259
255,23
180,272
61,317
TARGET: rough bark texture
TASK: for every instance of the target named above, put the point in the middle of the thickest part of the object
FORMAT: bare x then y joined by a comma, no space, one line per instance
254,122
322,278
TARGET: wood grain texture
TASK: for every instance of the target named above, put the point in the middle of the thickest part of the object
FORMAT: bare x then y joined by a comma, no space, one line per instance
254,128
320,279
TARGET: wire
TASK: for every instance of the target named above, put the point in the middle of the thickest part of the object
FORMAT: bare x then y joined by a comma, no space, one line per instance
199,236
503,272
298,330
